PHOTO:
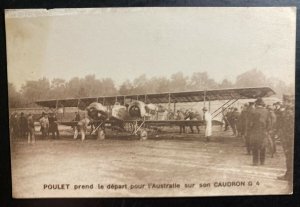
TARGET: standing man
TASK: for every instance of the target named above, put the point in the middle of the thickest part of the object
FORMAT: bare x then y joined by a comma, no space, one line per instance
286,135
23,125
208,123
47,124
77,116
44,122
199,117
82,127
165,115
51,125
190,115
259,128
230,118
234,118
187,116
225,118
180,116
76,128
243,121
13,124
249,112
53,128
272,129
30,124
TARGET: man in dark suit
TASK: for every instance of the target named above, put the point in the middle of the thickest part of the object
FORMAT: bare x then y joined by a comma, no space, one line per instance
259,128
242,121
180,116
272,129
250,109
23,126
234,121
53,127
190,115
31,130
286,134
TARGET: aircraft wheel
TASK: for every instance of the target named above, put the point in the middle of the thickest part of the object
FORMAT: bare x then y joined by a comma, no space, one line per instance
144,134
100,134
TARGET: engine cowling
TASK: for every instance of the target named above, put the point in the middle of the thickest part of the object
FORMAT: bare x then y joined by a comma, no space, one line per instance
119,112
151,109
136,109
97,111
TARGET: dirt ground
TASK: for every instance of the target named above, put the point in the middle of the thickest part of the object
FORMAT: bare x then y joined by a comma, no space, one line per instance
168,164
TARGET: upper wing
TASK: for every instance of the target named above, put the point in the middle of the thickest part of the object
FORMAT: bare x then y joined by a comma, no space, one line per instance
178,97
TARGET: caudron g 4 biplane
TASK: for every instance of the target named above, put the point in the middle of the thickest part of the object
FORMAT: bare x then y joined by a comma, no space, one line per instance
141,110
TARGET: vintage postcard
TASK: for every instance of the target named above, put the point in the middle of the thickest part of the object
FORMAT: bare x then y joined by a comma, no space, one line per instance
151,102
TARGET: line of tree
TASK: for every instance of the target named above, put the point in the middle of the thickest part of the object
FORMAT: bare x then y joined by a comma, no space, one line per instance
91,86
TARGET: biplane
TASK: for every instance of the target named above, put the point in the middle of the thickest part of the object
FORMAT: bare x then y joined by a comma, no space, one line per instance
141,110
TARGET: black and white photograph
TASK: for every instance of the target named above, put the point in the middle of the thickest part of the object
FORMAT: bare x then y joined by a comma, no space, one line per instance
151,101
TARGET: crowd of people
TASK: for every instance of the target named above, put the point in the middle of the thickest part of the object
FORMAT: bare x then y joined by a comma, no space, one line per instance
188,114
22,126
191,114
260,125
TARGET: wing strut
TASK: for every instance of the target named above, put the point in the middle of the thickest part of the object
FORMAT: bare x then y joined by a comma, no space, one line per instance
169,104
224,107
56,105
204,98
78,104
221,107
97,127
138,126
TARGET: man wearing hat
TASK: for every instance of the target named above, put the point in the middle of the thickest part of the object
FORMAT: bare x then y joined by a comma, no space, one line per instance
44,124
13,124
250,109
208,123
180,116
53,127
234,121
23,125
286,135
30,124
82,127
190,115
272,129
243,120
259,128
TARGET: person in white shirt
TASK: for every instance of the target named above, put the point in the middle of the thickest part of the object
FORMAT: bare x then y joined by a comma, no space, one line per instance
208,123
165,115
82,127
44,121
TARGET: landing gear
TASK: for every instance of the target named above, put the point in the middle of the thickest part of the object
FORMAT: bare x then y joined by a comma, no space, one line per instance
100,134
143,134
140,130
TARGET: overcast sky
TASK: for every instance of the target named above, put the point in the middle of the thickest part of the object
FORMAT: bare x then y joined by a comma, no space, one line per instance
123,43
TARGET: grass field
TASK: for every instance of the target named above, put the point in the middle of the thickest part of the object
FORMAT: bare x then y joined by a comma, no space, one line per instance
133,166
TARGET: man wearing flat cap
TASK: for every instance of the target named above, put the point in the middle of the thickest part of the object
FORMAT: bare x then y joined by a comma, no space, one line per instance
208,123
259,128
